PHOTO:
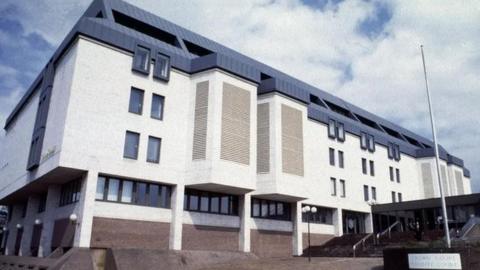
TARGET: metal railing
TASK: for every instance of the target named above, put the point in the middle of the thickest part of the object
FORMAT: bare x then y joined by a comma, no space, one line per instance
362,242
389,230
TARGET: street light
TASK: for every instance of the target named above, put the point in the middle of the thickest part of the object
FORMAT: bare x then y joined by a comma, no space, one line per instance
308,211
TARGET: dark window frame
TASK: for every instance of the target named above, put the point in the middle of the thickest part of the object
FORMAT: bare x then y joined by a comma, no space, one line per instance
233,203
340,131
286,216
363,141
371,143
394,197
70,192
392,177
364,166
366,195
156,72
397,174
137,147
136,54
141,104
162,109
332,125
161,186
343,188
374,193
333,186
372,167
341,161
157,161
324,215
331,153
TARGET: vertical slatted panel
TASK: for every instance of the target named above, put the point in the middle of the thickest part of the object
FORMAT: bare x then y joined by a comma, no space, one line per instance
235,141
263,138
427,180
200,122
459,180
292,141
444,179
451,183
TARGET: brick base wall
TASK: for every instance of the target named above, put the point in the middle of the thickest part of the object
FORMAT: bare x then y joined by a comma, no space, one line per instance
316,239
196,237
271,243
121,233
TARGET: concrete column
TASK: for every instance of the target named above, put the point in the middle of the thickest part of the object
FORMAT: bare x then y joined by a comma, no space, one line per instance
245,223
338,221
84,210
369,223
51,205
28,221
12,229
175,241
297,229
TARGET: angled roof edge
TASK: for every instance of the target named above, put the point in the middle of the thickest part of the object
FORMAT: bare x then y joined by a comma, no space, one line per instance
106,30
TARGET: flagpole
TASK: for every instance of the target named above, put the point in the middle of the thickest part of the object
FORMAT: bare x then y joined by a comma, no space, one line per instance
437,155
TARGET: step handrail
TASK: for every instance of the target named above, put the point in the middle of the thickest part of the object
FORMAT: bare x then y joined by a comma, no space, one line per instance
389,230
362,241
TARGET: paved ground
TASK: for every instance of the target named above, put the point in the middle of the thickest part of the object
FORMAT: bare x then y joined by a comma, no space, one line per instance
303,264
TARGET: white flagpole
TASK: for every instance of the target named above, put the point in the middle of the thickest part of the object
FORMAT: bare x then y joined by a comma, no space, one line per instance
437,155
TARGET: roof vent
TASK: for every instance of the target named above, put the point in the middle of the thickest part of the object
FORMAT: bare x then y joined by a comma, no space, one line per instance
264,76
412,141
315,100
393,133
196,49
368,122
145,28
340,110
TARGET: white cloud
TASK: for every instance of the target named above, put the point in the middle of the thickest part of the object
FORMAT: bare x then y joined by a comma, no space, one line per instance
318,45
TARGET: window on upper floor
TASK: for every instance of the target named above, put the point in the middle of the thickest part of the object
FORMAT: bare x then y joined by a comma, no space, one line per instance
371,143
340,132
331,129
141,60
153,152
372,168
340,159
364,140
400,197
270,209
364,166
332,156
119,190
322,216
393,151
343,192
394,197
136,101
70,192
156,111
161,70
365,193
336,130
333,186
391,174
397,172
374,193
132,141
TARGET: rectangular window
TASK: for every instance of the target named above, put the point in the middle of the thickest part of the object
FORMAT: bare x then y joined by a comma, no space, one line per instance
332,156
340,159
153,154
141,60
322,216
397,171
132,141
157,107
374,193
141,194
397,152
42,203
399,197
391,174
390,150
365,193
331,129
162,67
371,143
210,202
364,140
270,209
100,188
340,132
372,168
342,188
127,191
136,101
393,196
333,186
113,188
153,195
364,166
70,192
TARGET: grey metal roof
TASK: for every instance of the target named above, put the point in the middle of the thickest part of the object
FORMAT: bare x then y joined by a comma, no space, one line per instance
106,29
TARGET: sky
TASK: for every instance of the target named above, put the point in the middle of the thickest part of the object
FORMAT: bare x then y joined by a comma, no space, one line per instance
366,52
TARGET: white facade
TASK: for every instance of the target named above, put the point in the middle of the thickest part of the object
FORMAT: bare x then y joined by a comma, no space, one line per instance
85,136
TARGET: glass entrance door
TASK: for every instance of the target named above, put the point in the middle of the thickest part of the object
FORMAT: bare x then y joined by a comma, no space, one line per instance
353,222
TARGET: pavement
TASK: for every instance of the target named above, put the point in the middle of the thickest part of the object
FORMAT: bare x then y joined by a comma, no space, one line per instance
317,263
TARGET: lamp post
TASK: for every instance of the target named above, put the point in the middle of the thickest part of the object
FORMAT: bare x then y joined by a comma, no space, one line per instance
308,211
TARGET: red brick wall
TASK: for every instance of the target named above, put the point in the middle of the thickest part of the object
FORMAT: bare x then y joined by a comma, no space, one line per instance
271,243
122,233
195,237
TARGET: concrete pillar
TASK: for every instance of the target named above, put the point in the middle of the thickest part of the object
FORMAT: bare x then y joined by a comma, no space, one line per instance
244,236
84,210
12,229
338,221
175,241
369,223
28,221
297,229
51,205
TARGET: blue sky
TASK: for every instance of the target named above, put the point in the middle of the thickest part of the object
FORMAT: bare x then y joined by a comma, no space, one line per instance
366,52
